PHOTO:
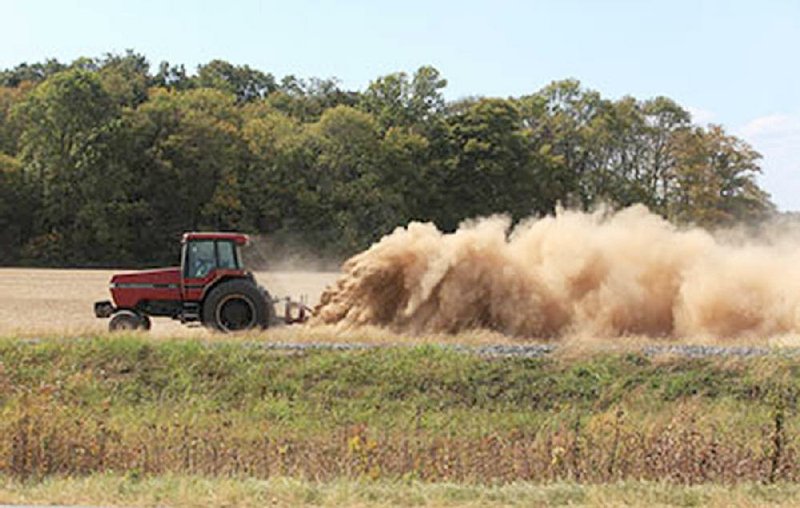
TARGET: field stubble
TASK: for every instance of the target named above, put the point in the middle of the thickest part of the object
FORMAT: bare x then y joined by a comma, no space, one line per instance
191,491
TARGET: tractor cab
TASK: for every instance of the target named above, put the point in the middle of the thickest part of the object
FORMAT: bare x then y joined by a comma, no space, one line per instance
204,253
207,258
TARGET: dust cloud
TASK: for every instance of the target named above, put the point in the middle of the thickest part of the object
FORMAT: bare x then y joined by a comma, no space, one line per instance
285,254
601,274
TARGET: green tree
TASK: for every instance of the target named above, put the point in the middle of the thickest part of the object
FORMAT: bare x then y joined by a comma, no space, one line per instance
18,205
172,76
359,207
125,77
10,125
280,178
306,100
245,83
715,180
192,160
493,171
31,73
407,172
396,100
558,122
66,119
104,162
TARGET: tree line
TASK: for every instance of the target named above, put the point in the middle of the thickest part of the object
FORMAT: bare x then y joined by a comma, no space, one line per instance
106,161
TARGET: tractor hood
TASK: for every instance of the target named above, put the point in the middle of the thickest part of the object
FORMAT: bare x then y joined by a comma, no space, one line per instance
159,278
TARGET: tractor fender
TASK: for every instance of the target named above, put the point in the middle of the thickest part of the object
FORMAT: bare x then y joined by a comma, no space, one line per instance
268,302
224,278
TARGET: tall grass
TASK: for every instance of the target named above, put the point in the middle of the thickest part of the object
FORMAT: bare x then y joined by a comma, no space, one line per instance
145,407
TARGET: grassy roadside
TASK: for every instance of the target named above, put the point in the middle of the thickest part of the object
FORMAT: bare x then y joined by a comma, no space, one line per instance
140,407
191,491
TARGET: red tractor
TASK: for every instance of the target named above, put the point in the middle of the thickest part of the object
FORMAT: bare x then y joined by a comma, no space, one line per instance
211,287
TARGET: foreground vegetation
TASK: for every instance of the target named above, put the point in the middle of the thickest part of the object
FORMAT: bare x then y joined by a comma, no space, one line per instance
138,407
178,491
107,161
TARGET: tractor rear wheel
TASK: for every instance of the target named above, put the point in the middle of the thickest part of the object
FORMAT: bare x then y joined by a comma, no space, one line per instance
236,305
128,320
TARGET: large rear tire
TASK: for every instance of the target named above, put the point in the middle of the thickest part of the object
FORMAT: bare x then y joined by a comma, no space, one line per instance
236,305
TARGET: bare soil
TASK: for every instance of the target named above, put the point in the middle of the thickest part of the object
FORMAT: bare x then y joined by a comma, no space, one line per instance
47,301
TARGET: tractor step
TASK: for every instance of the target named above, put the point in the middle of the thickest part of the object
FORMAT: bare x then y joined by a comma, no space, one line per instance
190,313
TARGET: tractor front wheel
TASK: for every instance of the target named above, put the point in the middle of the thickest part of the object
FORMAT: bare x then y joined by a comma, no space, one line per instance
128,320
235,305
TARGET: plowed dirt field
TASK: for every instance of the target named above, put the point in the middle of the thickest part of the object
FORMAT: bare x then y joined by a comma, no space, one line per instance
43,301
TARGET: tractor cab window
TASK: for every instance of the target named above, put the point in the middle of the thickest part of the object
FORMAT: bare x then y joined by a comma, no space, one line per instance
226,252
200,258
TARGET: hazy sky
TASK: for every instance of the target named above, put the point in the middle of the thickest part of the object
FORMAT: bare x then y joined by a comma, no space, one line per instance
730,62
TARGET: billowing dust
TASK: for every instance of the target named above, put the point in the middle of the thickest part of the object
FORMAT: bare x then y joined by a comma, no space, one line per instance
600,274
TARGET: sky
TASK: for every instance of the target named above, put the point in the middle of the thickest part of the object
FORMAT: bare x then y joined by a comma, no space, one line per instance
732,62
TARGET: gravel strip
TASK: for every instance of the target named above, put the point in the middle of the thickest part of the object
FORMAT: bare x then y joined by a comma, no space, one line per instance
525,351
699,351
539,350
